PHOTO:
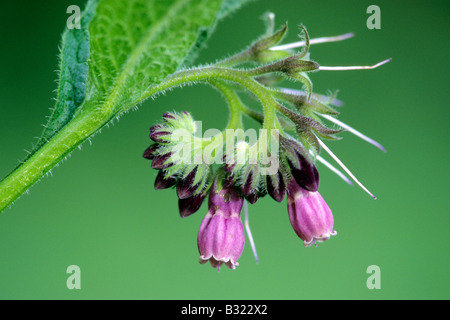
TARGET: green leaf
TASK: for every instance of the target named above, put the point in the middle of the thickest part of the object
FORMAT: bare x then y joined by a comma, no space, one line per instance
123,48
136,44
73,74
228,7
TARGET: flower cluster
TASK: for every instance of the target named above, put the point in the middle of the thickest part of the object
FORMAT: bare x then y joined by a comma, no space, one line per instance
175,153
280,161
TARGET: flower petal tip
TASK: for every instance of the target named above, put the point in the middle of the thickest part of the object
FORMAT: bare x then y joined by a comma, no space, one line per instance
215,263
322,238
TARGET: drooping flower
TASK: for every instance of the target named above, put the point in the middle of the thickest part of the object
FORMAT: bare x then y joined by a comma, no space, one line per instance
309,214
221,236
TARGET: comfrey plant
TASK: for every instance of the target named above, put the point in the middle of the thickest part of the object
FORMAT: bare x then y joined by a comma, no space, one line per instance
279,162
127,51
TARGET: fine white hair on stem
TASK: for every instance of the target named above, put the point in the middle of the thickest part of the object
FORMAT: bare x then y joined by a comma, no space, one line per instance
335,102
249,232
312,41
354,131
323,145
334,169
354,67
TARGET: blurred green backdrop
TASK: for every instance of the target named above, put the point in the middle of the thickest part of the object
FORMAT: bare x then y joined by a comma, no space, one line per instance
99,210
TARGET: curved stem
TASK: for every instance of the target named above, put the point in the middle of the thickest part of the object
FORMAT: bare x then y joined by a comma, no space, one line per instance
85,124
209,74
234,103
49,155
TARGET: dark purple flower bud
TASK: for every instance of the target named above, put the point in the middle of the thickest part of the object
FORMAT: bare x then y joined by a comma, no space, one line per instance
185,187
157,133
168,116
160,161
275,186
307,175
302,169
149,153
159,136
252,198
251,188
247,187
190,205
309,214
161,182
221,237
155,128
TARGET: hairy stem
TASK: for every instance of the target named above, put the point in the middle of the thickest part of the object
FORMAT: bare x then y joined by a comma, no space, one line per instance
85,124
49,155
214,73
234,103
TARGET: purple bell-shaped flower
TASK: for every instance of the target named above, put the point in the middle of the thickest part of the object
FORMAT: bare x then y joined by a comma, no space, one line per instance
221,236
309,214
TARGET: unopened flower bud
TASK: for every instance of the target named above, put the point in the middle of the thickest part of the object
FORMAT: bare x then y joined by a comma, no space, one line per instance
294,65
149,153
161,161
275,186
189,206
250,187
252,198
301,167
160,136
168,116
306,175
161,182
186,187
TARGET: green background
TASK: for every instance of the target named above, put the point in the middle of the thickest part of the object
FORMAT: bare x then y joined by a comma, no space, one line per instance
99,210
